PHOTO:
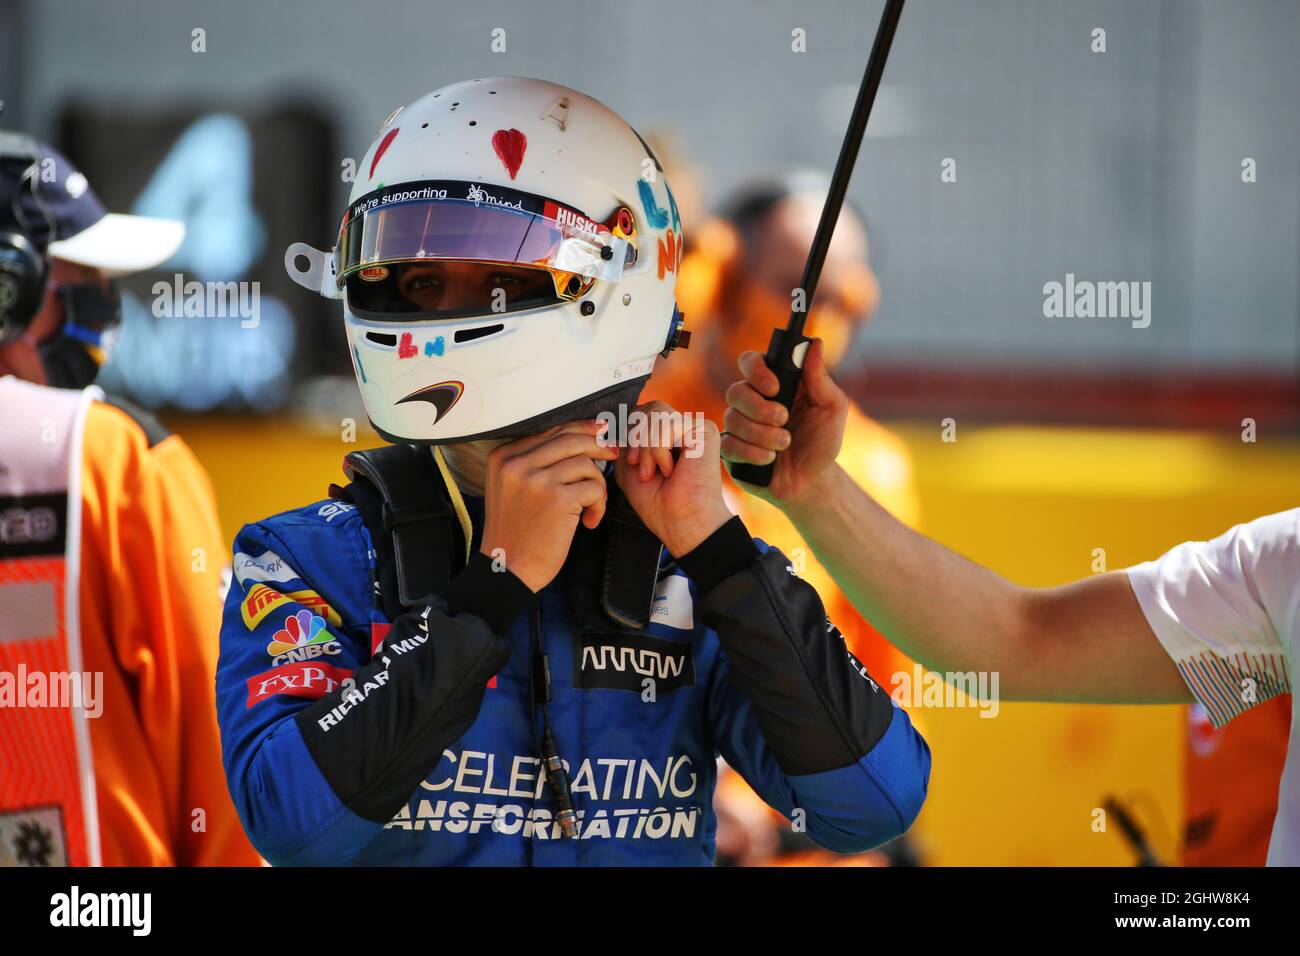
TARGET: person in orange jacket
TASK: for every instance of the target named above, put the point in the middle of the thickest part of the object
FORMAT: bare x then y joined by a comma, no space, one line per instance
1231,776
111,558
734,286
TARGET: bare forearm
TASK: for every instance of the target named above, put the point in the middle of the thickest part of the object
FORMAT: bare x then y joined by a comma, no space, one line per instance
945,611
1085,641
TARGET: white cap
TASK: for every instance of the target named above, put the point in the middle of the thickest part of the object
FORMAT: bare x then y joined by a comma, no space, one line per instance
119,244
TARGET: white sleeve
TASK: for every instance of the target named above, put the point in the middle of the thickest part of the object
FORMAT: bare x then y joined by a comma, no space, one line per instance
1228,611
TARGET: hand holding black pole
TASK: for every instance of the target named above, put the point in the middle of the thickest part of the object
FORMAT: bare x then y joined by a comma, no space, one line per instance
785,352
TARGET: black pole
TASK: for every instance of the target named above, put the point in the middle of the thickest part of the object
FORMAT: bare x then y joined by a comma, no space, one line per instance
1132,833
785,351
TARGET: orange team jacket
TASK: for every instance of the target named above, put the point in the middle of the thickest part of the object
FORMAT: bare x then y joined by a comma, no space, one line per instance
1232,776
151,593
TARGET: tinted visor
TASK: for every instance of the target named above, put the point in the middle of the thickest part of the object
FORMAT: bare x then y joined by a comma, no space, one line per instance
441,222
447,289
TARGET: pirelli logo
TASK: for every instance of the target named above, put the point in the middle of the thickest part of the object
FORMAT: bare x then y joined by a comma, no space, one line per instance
624,661
262,600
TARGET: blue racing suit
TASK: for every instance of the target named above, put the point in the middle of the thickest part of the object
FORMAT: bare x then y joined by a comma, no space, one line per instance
349,739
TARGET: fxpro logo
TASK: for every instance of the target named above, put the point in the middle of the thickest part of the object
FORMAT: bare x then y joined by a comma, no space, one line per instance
625,661
302,679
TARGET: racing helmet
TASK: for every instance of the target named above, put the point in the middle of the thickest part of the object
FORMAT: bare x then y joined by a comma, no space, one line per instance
507,261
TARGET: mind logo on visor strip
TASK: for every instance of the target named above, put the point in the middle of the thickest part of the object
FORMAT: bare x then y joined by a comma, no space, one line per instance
442,397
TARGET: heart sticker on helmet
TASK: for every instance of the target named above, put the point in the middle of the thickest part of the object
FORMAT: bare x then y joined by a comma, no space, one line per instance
510,145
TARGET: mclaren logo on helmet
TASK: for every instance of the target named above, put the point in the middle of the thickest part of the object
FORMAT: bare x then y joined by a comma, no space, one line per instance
442,397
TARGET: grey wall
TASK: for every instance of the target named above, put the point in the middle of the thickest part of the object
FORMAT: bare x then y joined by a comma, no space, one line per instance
11,45
1123,165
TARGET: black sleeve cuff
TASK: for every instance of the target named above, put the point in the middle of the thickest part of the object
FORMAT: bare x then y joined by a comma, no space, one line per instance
720,555
496,596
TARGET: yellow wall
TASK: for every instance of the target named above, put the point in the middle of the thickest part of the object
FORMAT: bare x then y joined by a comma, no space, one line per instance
261,466
1032,503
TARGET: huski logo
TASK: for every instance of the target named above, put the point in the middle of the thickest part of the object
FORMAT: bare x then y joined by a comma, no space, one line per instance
624,661
572,223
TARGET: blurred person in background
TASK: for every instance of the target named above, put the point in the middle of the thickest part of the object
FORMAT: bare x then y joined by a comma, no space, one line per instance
689,181
1231,775
735,286
1216,623
110,558
733,290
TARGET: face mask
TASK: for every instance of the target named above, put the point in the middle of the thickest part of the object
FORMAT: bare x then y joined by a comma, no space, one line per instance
72,358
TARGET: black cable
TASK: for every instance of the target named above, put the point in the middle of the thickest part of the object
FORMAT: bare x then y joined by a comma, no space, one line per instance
557,777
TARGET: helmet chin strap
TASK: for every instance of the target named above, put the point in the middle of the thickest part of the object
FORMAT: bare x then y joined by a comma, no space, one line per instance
467,462
589,408
457,499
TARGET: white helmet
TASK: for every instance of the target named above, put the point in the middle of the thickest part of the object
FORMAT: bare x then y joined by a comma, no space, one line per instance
507,261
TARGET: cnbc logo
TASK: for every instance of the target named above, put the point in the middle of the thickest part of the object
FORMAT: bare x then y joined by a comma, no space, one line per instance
302,638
